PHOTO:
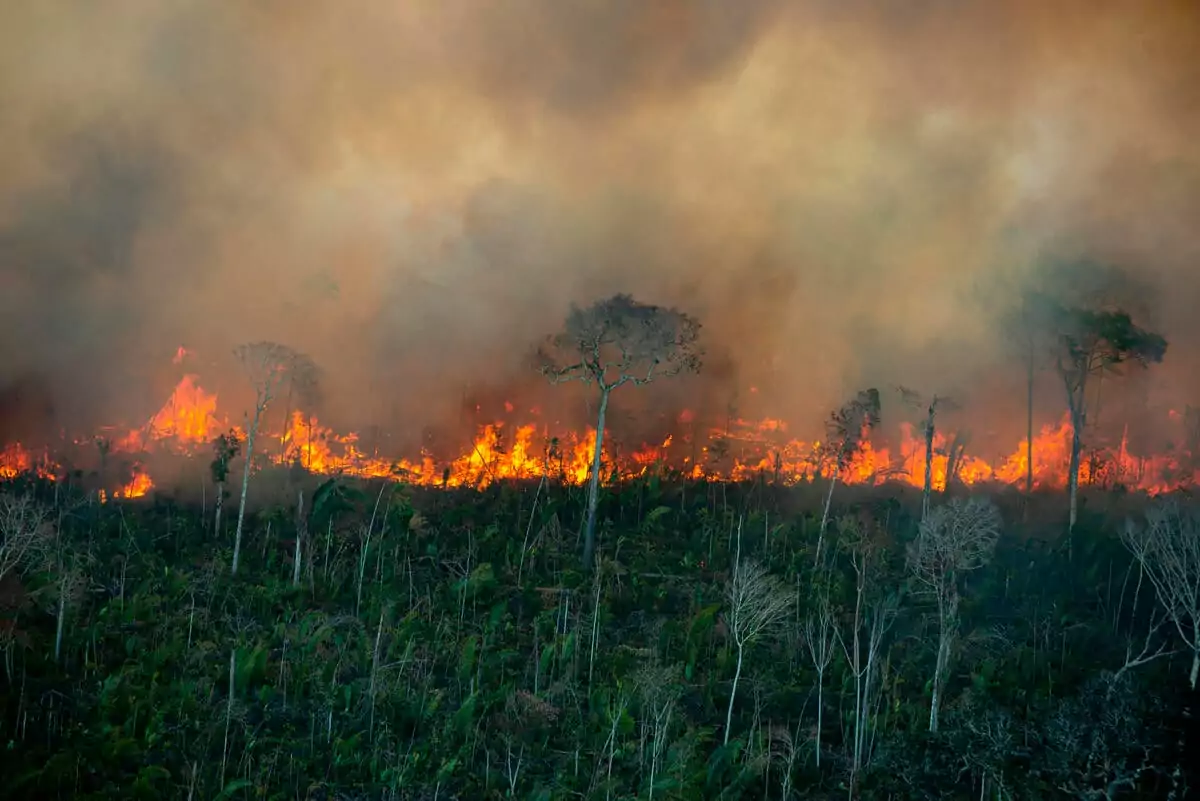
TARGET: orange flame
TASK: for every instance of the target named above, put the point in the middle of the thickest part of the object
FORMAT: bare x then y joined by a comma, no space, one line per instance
190,420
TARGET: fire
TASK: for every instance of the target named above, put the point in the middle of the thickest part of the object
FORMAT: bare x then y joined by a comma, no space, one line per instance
502,450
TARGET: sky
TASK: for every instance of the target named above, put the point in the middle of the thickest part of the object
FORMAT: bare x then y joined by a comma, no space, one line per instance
844,193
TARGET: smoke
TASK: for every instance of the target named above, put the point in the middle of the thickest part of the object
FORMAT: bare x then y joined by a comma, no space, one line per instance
845,193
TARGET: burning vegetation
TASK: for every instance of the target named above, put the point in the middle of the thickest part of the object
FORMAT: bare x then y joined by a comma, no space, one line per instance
524,445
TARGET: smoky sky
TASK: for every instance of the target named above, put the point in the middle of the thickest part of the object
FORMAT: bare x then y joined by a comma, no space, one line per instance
844,193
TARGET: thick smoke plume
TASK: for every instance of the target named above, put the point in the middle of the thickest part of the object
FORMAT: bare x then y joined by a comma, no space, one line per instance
845,193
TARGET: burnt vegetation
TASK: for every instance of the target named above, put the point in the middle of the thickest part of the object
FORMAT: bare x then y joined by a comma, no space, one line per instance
661,637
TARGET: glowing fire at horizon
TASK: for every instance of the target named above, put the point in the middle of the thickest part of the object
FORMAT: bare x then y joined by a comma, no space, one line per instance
189,421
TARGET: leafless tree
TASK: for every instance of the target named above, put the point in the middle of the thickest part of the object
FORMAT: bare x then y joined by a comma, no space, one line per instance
271,367
1168,550
931,408
758,603
659,688
818,630
25,531
953,539
847,431
611,343
873,615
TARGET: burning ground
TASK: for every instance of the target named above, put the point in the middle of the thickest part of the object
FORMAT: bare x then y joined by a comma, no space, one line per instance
521,443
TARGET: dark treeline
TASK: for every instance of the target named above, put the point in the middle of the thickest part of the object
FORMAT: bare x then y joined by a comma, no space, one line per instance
449,644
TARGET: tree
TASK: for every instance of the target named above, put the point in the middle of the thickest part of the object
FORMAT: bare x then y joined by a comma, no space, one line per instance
929,429
818,631
758,603
1090,343
1168,550
953,539
225,449
270,367
611,343
848,429
25,531
872,618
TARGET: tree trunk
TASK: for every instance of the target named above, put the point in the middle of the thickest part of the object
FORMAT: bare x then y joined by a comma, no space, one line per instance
237,537
820,714
60,625
825,514
1073,469
737,675
301,530
928,464
589,533
941,667
1195,669
217,516
1029,423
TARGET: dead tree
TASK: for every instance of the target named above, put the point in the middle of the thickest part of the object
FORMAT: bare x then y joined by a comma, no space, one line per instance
953,539
758,603
611,343
271,367
1089,344
25,532
848,429
873,615
1168,550
929,430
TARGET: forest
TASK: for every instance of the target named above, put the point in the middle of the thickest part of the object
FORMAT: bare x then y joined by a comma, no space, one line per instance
447,644
351,638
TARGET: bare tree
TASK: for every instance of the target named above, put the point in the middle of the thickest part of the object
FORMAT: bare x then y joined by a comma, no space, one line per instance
1091,343
953,539
271,367
614,342
819,631
659,688
929,429
1168,550
872,618
848,428
758,603
24,531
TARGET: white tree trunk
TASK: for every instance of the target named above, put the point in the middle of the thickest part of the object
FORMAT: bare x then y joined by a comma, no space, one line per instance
589,535
237,538
737,675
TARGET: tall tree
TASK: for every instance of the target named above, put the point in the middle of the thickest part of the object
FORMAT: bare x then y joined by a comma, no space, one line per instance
952,540
847,432
758,603
611,343
225,449
1089,343
930,407
271,367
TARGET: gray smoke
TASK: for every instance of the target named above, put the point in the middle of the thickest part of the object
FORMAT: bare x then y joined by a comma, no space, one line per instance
845,193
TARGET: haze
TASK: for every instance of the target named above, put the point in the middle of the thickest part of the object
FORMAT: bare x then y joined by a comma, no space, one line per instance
845,193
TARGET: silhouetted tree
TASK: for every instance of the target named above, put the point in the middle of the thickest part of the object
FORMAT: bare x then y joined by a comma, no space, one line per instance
1089,343
270,366
929,429
847,432
613,342
225,449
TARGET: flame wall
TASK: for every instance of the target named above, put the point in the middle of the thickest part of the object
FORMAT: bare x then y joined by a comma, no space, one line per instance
844,192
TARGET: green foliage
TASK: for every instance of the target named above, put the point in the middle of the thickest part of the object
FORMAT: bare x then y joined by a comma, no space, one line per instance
455,680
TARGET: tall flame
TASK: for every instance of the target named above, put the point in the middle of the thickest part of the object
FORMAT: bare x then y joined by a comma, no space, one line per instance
189,421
